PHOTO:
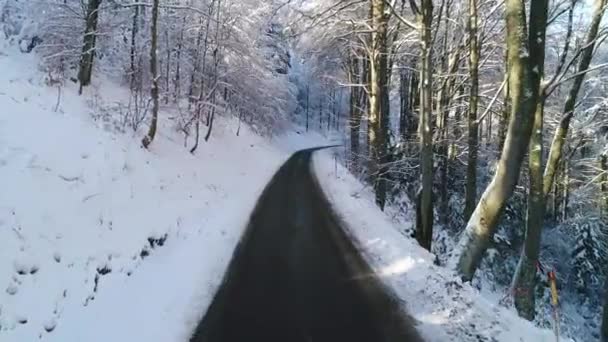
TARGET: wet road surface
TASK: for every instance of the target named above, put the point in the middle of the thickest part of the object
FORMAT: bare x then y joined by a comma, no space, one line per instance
296,277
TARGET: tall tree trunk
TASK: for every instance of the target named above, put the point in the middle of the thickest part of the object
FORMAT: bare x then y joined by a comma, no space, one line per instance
559,138
424,230
566,189
201,95
524,280
167,67
320,113
307,105
147,140
378,100
178,65
133,52
216,61
403,105
355,110
524,87
88,46
473,140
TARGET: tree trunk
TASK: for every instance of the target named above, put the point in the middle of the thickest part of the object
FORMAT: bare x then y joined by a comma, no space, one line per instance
216,62
524,280
147,140
378,100
559,138
133,52
566,189
320,113
355,111
603,200
473,139
167,67
524,89
506,111
178,64
201,95
404,105
307,105
88,46
424,230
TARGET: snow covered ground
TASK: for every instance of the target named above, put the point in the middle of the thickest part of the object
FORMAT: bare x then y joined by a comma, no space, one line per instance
101,240
446,309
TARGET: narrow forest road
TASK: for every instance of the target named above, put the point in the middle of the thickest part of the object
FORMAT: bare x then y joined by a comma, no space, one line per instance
296,277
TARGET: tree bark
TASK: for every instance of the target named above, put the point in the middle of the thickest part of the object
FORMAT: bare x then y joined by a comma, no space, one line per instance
201,94
88,46
133,52
307,105
378,100
355,110
559,138
149,138
424,230
603,200
524,87
216,61
524,280
473,138
178,65
506,111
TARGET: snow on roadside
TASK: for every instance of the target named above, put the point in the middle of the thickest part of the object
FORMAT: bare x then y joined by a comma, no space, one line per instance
446,309
101,240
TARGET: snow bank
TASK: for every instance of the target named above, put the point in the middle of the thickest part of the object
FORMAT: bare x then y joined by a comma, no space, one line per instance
446,309
101,240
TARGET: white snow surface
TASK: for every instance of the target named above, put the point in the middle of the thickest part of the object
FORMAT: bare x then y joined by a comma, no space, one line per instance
77,200
80,203
445,308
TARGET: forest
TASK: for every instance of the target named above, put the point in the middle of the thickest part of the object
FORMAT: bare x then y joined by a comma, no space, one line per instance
484,121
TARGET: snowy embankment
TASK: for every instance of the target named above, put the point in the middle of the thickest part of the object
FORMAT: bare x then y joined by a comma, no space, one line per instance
446,309
101,240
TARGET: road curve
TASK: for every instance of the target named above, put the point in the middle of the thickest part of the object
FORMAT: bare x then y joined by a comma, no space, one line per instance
296,277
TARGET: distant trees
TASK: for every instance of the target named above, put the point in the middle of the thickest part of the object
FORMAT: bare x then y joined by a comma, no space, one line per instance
209,60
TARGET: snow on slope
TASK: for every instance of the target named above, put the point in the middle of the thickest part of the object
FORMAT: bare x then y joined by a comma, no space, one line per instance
101,240
446,309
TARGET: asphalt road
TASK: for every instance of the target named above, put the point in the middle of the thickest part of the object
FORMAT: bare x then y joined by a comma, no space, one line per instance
296,277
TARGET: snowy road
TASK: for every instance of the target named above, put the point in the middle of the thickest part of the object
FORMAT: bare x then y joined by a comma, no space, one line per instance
295,276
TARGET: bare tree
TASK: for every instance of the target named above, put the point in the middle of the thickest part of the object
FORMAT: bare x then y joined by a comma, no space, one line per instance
424,229
88,46
147,140
474,49
586,54
524,280
378,98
